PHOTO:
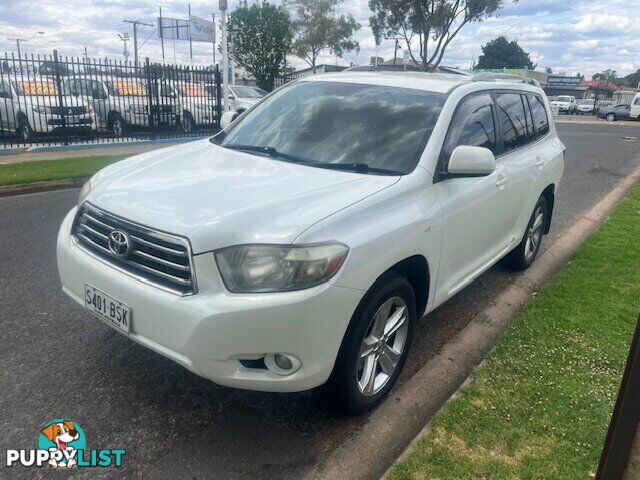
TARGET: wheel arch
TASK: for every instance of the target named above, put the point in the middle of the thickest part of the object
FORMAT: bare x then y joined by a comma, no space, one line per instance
549,194
416,270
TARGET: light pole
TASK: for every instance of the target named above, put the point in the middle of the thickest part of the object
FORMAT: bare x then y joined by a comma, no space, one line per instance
125,38
21,40
225,54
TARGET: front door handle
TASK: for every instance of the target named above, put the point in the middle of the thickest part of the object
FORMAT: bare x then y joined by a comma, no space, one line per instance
501,182
540,163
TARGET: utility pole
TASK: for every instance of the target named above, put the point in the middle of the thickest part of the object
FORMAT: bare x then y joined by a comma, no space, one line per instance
395,49
225,55
20,40
135,24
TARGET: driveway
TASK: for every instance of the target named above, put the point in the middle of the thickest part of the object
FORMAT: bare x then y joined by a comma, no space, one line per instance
58,361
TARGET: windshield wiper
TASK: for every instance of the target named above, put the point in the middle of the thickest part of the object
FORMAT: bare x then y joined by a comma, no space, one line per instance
268,151
357,167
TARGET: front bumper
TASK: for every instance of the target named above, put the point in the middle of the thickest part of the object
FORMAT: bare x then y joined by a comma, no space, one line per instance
208,333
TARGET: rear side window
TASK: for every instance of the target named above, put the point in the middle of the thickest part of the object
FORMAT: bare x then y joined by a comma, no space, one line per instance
527,112
472,125
637,101
539,114
512,120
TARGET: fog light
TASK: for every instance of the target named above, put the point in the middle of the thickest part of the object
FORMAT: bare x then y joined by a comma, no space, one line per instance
281,363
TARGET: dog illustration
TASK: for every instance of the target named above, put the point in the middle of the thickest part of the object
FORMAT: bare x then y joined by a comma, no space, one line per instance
61,434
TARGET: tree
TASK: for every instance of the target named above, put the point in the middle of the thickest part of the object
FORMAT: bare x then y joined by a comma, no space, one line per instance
262,36
317,28
549,70
501,53
605,75
425,22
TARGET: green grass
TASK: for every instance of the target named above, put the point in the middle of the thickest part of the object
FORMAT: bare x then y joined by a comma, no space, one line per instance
41,170
540,405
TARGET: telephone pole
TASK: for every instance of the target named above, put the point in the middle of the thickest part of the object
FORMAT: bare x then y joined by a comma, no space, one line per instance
135,24
222,4
125,38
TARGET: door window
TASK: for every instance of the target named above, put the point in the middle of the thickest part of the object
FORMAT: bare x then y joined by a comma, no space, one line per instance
472,125
5,90
527,112
539,114
512,120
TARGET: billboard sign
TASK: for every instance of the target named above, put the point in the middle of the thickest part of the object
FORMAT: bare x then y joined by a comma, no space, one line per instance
202,30
173,28
560,80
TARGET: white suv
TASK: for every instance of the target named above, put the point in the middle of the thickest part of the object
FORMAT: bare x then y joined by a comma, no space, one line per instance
301,245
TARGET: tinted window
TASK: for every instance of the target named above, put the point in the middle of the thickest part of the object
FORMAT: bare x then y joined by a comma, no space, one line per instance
539,114
637,101
512,120
472,125
527,112
328,123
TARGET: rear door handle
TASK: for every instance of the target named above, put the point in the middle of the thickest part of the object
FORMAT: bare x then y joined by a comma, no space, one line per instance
501,182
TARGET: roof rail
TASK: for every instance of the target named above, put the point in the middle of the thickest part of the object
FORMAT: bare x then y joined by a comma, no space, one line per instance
493,77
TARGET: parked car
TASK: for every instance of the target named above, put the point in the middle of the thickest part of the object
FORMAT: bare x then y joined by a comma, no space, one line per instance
565,103
585,106
634,111
33,106
198,107
301,245
243,97
600,104
615,112
122,103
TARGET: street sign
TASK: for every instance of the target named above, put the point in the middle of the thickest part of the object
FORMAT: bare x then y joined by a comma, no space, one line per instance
202,30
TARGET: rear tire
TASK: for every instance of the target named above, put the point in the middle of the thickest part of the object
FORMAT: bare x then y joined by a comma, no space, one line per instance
611,117
375,346
523,255
117,125
24,130
187,122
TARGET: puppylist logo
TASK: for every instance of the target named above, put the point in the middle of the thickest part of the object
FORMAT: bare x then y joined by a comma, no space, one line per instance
62,443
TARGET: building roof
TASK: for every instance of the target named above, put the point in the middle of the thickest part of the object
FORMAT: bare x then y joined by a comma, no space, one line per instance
599,84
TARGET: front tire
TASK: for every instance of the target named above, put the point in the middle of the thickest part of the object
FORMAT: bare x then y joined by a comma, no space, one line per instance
611,117
187,122
375,346
24,130
118,125
523,255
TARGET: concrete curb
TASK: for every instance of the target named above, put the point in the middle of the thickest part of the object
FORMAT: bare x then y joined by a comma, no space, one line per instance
22,188
369,452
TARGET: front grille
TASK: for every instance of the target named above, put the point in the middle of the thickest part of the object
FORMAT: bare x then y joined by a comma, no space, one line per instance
154,257
68,111
155,109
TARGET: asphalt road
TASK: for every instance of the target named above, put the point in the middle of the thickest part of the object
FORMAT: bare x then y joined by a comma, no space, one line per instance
56,360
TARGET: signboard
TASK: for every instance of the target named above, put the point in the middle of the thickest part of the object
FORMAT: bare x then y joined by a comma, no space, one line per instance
173,28
202,30
38,87
560,80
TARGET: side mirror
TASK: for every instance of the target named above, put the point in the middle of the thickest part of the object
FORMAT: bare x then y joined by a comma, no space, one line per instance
472,161
227,118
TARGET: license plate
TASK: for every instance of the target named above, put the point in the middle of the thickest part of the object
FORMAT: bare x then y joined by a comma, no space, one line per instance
108,308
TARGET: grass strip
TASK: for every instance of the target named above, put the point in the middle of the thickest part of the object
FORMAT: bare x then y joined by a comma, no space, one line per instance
540,405
42,170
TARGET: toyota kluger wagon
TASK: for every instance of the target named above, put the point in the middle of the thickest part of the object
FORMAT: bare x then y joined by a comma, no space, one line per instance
302,244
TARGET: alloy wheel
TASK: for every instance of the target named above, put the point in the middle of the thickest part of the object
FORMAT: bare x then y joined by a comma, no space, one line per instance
117,127
382,346
187,124
534,234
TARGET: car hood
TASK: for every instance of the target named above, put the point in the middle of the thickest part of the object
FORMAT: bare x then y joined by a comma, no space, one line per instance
52,100
218,197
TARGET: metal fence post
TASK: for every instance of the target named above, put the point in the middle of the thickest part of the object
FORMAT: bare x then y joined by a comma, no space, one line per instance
61,106
218,81
150,93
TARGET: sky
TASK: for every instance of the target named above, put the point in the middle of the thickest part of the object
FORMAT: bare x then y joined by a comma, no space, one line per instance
572,36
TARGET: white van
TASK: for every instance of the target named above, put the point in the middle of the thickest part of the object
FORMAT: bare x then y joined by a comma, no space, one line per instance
634,112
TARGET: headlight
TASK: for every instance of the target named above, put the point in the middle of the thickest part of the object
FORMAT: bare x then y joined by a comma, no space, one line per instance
41,109
271,268
84,192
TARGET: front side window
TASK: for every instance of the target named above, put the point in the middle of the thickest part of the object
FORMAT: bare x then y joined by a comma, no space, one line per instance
539,114
637,101
472,125
347,126
512,120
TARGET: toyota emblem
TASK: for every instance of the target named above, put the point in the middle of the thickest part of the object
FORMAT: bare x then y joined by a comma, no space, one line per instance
119,243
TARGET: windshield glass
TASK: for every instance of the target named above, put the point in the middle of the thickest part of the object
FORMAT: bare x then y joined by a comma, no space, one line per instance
248,92
126,88
586,102
341,124
563,99
35,87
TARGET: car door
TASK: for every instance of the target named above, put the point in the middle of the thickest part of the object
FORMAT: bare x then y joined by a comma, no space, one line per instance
473,220
635,107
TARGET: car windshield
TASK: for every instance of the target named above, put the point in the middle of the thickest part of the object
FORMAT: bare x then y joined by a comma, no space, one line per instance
249,92
367,128
563,99
586,102
127,88
35,87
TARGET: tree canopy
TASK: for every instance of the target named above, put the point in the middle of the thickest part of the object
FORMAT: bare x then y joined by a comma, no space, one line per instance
501,53
317,27
427,26
262,34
